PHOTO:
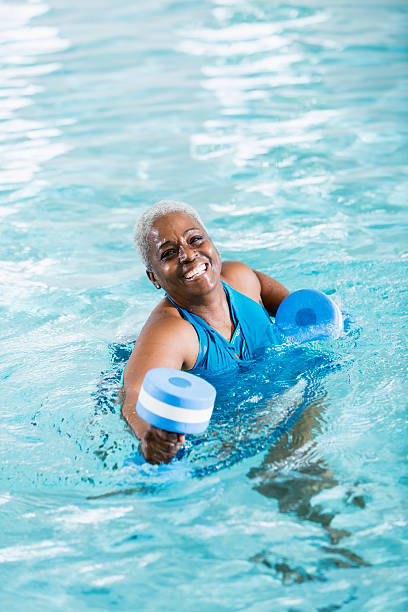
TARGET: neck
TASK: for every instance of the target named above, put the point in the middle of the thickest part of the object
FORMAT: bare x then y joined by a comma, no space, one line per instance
214,309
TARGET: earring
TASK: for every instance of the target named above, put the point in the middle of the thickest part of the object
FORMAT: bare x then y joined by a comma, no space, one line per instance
157,286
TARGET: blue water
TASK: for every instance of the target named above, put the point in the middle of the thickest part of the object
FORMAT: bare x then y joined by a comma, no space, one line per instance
285,125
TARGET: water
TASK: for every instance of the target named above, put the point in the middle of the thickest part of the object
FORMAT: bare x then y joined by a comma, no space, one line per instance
285,125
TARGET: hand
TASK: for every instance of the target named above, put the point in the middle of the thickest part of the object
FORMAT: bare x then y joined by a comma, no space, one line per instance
160,446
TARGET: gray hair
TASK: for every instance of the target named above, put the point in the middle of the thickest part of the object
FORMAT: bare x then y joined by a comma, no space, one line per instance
145,222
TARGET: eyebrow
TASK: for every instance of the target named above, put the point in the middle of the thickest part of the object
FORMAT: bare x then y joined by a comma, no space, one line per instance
190,229
161,246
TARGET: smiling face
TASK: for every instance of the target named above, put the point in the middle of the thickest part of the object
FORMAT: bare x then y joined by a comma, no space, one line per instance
184,261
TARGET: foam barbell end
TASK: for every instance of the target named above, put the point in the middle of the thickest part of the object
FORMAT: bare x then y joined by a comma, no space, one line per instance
176,401
307,315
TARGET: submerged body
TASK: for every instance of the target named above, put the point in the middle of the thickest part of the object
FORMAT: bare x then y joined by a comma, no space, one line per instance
203,299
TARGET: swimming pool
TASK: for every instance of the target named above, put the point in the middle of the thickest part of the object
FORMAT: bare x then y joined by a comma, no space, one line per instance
285,125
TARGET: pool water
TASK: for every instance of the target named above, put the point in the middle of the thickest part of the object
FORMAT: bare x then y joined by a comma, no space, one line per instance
285,125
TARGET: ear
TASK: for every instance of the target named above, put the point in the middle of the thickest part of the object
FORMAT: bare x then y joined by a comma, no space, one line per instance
152,278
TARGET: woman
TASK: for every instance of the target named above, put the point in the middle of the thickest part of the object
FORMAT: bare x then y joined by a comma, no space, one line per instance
212,317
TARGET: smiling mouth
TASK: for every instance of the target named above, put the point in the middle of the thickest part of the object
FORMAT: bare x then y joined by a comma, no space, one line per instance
196,272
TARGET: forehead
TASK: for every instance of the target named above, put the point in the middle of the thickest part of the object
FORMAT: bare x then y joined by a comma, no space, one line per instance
171,226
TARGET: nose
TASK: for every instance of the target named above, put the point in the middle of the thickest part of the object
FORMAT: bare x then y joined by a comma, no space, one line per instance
186,253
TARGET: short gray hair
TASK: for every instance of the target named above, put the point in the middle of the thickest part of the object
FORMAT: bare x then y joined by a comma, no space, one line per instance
145,222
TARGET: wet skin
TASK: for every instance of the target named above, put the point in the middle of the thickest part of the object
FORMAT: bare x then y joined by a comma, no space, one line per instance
186,264
184,259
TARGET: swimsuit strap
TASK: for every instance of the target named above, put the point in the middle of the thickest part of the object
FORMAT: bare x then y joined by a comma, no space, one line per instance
253,332
237,341
190,316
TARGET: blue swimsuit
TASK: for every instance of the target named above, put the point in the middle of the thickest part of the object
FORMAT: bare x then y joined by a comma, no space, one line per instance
254,331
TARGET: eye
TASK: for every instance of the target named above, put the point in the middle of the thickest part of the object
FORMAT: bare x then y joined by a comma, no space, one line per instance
167,253
196,239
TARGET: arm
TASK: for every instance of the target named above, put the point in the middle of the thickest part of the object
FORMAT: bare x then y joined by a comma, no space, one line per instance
165,342
258,286
272,292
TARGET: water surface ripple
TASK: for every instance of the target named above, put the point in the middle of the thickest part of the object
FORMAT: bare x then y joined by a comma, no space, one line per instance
285,125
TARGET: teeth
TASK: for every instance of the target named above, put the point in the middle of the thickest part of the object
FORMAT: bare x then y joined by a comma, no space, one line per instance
198,270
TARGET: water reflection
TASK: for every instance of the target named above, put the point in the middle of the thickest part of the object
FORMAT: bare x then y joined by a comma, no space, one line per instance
26,142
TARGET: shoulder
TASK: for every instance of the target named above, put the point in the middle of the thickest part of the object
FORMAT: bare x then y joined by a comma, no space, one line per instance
165,323
166,340
242,278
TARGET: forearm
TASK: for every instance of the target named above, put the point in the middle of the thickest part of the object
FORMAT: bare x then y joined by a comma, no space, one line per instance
156,445
138,425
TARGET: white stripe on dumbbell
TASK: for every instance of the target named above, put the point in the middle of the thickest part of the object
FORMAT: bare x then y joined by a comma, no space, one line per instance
167,411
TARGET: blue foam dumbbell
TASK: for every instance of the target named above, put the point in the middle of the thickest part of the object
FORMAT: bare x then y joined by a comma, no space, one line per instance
176,401
307,315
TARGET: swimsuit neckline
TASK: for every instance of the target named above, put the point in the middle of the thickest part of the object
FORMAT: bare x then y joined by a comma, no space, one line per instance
237,326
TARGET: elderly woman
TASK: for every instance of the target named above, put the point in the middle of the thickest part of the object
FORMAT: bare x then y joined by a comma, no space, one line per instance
213,317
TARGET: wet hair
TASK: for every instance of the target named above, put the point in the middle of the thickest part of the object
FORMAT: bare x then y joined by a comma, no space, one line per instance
145,222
